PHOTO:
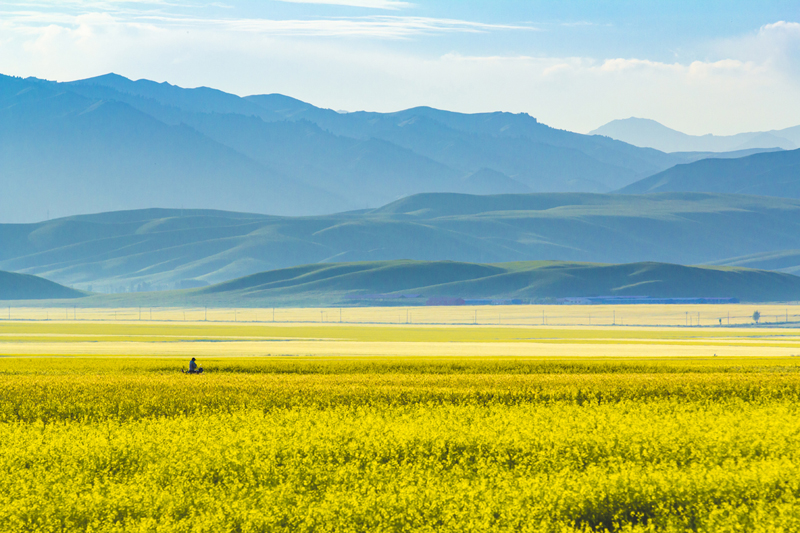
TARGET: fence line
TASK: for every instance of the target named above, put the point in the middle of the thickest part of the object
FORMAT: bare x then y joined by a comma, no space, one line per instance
517,315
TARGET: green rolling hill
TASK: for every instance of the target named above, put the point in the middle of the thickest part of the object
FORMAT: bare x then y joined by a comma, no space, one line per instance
779,260
160,249
406,282
26,287
527,279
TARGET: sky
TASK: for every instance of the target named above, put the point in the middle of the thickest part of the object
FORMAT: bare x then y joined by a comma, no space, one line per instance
708,66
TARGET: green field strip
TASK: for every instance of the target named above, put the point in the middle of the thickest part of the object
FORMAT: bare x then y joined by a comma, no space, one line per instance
84,332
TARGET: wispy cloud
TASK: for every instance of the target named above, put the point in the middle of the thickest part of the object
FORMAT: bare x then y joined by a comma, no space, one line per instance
379,26
387,27
372,4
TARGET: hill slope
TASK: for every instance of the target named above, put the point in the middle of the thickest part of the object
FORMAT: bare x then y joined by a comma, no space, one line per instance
767,174
338,283
649,133
166,249
26,287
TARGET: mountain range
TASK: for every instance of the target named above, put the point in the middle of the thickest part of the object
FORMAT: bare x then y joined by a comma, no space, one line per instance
166,249
651,134
109,143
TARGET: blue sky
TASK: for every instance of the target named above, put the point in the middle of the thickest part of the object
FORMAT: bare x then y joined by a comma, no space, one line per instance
701,67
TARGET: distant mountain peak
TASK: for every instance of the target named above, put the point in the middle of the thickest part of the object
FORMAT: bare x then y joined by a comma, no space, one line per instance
648,133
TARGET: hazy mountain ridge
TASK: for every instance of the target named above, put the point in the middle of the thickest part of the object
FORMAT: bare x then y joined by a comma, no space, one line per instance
109,143
766,174
62,152
160,249
464,142
649,133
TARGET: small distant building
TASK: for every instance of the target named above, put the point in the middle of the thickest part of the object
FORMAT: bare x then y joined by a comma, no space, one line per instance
381,296
443,300
575,301
487,301
633,300
477,301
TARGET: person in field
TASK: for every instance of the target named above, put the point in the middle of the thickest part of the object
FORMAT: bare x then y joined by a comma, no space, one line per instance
193,368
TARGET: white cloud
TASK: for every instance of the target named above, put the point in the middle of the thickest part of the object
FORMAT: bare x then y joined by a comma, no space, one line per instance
776,45
625,64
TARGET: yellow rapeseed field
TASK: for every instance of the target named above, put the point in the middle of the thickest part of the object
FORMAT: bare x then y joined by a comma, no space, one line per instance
431,442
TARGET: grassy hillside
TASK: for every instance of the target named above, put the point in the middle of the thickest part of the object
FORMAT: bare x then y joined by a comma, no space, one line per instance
342,284
780,260
766,174
26,287
527,279
167,249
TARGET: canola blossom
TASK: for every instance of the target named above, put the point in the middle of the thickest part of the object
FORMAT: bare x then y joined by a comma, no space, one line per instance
399,444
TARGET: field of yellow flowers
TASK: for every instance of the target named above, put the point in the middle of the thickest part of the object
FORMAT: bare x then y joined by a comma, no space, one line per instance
400,444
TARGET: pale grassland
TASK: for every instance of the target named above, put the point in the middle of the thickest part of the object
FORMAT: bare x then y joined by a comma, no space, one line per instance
516,315
215,339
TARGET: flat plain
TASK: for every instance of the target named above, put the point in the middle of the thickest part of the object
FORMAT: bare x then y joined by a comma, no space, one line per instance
328,426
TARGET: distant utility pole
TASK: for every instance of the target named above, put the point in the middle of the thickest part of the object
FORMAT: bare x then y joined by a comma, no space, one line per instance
273,314
205,314
615,317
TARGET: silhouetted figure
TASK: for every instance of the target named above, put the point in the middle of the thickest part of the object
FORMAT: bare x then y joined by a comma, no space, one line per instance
193,368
